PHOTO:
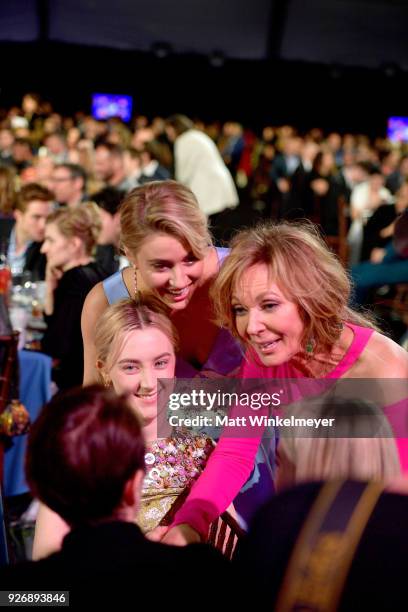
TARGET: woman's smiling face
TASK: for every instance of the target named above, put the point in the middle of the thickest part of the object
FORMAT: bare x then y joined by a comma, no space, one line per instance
163,263
265,319
145,355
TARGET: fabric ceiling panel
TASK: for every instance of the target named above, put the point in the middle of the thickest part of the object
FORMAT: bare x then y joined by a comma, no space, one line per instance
18,21
353,32
238,28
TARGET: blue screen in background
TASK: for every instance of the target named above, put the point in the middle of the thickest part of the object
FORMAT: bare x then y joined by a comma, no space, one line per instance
398,129
111,105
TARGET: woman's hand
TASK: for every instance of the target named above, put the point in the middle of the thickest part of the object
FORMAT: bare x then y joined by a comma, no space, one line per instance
52,277
377,255
181,535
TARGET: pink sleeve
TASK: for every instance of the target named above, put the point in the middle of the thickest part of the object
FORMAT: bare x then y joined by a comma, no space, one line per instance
226,472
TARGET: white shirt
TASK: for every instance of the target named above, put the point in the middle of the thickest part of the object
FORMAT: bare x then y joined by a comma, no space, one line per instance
199,165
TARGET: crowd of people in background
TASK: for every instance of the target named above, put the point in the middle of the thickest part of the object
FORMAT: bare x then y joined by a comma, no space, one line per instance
132,229
239,176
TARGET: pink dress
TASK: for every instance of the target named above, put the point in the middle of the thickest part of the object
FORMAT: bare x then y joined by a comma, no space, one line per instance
232,461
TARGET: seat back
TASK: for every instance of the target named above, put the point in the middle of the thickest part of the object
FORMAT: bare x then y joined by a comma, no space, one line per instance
224,534
339,243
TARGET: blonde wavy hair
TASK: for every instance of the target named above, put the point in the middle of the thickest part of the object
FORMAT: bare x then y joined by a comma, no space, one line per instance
163,206
83,222
305,270
126,316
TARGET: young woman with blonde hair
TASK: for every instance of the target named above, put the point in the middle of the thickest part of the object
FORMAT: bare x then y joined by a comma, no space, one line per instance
165,236
135,348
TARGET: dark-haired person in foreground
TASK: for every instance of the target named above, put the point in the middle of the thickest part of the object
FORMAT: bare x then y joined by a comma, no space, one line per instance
85,460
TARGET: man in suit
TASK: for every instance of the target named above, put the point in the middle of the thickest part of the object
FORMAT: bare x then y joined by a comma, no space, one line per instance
69,184
108,250
22,235
90,471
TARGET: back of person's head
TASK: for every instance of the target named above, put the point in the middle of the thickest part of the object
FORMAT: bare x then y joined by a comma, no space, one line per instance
114,150
31,192
180,123
360,445
163,207
109,199
83,222
82,451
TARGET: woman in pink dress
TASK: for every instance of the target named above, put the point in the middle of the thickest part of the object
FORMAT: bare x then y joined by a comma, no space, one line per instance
285,296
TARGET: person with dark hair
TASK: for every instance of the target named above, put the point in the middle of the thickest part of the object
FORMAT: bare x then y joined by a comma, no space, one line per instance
107,253
24,232
380,226
151,169
199,166
22,153
109,166
365,199
90,471
69,184
388,266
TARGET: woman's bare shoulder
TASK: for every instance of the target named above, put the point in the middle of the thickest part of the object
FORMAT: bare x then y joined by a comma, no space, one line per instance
95,301
384,358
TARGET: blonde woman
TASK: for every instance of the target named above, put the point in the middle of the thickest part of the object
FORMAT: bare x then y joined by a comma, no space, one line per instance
166,238
135,347
71,272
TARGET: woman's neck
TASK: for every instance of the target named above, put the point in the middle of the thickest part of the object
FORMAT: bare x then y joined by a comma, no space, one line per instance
318,365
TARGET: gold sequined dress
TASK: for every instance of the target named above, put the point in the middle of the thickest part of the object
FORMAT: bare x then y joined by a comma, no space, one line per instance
172,466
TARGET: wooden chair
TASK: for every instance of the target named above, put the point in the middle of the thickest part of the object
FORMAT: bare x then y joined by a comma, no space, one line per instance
338,244
224,534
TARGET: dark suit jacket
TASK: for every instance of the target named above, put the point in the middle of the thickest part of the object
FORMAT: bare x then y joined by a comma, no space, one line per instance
35,261
114,563
377,577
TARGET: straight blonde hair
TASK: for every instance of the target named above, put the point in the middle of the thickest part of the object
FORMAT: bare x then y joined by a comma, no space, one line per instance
167,207
126,316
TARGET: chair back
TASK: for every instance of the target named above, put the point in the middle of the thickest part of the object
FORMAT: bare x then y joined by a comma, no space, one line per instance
224,534
339,243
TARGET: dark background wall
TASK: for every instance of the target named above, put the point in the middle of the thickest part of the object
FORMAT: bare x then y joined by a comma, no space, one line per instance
331,63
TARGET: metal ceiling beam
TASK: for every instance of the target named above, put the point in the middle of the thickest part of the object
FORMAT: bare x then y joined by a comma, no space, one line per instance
43,15
277,23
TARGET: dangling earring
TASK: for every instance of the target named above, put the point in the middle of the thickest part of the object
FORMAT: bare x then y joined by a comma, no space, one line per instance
310,346
106,382
136,296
